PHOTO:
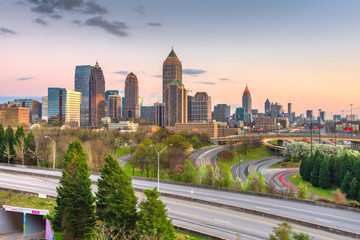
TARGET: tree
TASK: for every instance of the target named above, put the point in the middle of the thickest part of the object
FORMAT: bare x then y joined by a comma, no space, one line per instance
226,177
31,155
344,167
255,182
324,175
20,149
7,153
195,142
153,220
20,134
316,169
178,141
346,182
10,139
2,142
208,176
189,173
301,236
282,232
116,201
75,209
353,189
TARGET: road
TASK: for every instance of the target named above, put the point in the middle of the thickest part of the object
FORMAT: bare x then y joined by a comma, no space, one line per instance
336,218
213,220
206,155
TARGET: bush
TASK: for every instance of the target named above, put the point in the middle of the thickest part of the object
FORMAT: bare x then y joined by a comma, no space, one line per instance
339,197
225,156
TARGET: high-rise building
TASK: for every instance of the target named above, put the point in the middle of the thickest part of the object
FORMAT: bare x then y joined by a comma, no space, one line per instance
114,107
172,70
254,112
107,94
309,113
45,108
148,113
122,107
289,108
141,103
33,105
159,118
14,115
189,102
222,113
246,100
131,110
175,103
323,116
90,81
267,106
200,107
337,117
64,106
239,114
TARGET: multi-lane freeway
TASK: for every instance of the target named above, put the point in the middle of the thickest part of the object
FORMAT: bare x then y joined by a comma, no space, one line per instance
218,221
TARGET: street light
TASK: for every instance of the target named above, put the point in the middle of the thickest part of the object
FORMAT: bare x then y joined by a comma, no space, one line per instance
54,150
159,153
240,161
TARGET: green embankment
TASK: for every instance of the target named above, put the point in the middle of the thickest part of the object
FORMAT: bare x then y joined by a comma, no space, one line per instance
123,151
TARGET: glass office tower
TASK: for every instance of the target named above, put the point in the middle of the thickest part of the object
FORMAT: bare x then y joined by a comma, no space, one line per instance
82,84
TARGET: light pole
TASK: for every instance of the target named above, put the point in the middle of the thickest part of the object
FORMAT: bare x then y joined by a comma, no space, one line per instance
240,161
159,153
54,150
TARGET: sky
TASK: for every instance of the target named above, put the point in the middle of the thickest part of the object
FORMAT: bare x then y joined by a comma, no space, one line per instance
305,52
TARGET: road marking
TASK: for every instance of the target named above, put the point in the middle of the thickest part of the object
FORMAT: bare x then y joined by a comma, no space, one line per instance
222,220
234,215
3,237
263,208
319,219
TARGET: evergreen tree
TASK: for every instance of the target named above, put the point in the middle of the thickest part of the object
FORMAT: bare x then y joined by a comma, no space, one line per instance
303,166
359,196
75,209
357,170
353,188
30,146
346,182
10,141
324,175
116,200
153,218
2,142
20,134
189,173
314,179
344,167
307,169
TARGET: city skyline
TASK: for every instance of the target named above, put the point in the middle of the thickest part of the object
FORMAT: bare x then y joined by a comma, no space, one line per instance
303,53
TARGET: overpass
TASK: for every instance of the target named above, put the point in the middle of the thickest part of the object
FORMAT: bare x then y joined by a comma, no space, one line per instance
354,139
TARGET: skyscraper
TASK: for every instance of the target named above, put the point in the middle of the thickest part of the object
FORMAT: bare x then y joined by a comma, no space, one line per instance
107,94
246,101
239,114
90,81
159,119
309,113
45,108
267,106
201,107
172,70
114,107
131,108
141,103
175,97
289,109
222,113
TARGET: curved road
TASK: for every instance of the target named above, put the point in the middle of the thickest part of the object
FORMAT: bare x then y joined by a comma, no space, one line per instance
335,218
206,155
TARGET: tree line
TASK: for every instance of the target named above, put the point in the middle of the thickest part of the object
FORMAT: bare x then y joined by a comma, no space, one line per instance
81,215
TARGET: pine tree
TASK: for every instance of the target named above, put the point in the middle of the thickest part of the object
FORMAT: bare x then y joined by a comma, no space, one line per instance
2,143
153,218
353,188
346,182
314,179
307,170
357,170
10,141
30,145
344,167
75,209
116,199
324,175
20,134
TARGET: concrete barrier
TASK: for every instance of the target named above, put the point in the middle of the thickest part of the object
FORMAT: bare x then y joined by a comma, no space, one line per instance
197,233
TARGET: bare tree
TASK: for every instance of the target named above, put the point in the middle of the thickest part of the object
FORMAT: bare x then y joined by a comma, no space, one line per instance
20,150
7,152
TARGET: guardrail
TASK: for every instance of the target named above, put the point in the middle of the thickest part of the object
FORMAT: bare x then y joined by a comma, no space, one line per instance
339,136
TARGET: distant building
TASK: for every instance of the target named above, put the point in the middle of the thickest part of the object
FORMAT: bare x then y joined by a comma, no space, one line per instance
14,115
90,81
45,108
198,127
33,105
289,108
148,113
114,107
337,117
189,103
323,116
248,118
267,123
254,112
309,114
64,106
200,107
159,118
175,103
141,103
107,94
239,114
122,107
131,110
172,70
267,106
246,100
222,113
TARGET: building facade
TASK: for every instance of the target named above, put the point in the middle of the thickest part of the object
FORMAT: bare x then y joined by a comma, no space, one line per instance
200,107
131,108
172,70
239,114
90,81
246,100
14,115
45,108
114,107
267,106
222,113
148,113
267,123
309,114
107,94
175,104
33,106
160,112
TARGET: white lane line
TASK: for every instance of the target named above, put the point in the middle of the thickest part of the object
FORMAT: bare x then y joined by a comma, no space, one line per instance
222,220
268,209
323,220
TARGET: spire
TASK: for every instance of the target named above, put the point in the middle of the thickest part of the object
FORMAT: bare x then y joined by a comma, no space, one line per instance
172,48
172,54
97,64
246,91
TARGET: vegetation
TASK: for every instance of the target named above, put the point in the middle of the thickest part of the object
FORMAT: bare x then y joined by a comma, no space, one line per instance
11,199
284,232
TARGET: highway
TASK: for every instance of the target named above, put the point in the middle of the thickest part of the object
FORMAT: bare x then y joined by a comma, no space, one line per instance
335,218
206,155
213,220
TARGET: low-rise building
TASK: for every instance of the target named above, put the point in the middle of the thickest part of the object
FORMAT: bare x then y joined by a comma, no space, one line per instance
198,127
14,115
266,123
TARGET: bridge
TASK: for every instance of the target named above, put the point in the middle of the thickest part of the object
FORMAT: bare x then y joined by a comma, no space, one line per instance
265,137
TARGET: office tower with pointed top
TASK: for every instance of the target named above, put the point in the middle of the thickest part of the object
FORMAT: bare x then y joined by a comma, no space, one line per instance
172,70
131,106
246,101
90,81
267,106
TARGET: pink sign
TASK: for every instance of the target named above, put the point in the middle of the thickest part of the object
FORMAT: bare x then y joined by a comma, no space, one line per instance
35,212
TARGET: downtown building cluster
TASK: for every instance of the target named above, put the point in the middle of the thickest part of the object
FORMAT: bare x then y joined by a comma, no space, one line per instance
89,105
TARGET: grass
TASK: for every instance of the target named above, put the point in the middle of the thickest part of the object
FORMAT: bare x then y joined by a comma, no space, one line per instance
258,153
275,142
286,164
186,236
123,151
326,193
26,201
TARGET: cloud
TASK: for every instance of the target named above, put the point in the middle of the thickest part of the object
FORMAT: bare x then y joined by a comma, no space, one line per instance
122,72
56,16
152,98
225,79
154,24
114,28
120,81
140,10
76,22
24,78
5,31
52,7
207,83
40,21
194,72
157,76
